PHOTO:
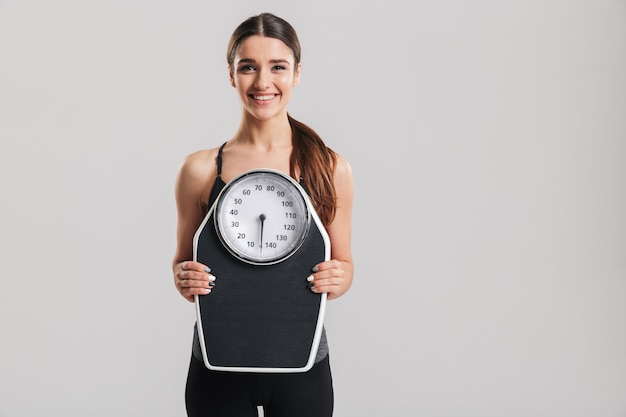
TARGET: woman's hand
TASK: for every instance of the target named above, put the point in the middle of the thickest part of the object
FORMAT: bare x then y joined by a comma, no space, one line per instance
193,278
330,277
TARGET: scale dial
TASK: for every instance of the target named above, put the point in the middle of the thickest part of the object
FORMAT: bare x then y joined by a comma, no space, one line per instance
262,216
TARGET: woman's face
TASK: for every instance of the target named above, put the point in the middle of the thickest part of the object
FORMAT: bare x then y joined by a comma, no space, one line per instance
264,75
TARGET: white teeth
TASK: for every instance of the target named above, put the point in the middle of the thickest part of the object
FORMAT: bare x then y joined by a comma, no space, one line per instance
263,98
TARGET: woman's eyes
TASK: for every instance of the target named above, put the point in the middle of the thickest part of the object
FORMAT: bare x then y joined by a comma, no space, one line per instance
251,68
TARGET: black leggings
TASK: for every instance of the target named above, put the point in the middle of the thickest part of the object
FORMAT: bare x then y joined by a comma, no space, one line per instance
237,394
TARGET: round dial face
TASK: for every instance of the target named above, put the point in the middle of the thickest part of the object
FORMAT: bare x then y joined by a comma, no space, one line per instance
262,216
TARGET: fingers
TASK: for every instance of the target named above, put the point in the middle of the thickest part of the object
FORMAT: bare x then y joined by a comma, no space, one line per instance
193,278
194,266
327,277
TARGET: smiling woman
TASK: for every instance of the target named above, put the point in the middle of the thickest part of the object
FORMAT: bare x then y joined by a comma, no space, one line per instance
264,67
264,72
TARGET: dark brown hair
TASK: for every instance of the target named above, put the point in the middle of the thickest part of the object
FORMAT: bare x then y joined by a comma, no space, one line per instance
314,159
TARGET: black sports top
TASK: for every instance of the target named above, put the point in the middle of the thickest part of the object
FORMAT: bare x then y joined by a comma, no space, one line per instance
218,185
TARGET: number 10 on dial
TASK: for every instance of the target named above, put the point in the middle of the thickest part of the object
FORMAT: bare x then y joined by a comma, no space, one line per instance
262,216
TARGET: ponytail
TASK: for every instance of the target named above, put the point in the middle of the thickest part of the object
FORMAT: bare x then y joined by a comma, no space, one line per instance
316,163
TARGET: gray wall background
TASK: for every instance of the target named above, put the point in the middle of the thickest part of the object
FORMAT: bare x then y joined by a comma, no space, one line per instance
488,142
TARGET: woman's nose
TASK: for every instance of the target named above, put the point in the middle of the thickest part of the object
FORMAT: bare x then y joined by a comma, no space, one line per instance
262,80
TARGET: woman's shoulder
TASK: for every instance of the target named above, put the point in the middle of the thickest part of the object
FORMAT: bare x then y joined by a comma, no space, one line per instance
199,165
343,180
342,166
201,159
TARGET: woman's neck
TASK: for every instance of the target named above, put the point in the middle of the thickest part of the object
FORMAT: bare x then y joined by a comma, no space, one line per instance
264,133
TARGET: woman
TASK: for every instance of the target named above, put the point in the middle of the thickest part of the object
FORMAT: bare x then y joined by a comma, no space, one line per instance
264,67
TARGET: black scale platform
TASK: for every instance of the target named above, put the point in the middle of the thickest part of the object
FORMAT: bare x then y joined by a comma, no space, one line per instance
260,318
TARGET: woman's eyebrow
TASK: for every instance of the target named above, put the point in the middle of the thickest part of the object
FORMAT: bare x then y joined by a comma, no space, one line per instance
272,61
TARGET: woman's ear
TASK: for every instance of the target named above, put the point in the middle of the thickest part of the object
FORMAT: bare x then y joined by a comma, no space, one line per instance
231,76
296,76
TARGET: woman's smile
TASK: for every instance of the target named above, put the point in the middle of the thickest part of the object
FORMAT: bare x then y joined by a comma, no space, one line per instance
264,97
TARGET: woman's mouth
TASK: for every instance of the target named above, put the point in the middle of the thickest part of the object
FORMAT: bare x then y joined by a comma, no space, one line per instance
264,97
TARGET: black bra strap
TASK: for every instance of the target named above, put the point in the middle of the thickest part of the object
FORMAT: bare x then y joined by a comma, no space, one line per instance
219,159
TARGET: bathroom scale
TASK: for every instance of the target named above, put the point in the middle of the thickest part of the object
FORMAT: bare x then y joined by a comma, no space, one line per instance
261,238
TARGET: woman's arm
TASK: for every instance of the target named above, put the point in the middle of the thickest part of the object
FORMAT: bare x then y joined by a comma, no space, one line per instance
334,277
195,177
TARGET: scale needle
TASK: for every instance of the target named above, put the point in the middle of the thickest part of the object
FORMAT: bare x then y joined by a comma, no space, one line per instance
262,218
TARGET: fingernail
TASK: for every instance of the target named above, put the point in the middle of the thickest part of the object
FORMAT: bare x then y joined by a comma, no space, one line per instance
311,284
211,277
207,290
315,269
211,284
310,278
207,269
